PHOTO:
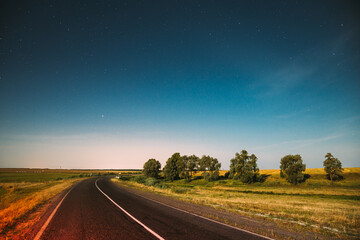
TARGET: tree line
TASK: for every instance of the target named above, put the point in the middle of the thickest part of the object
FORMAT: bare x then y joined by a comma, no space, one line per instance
243,167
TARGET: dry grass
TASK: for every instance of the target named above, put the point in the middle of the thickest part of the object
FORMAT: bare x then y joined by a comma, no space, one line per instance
23,190
21,198
316,203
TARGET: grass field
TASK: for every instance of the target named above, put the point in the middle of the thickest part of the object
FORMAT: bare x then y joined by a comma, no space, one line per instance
22,191
317,205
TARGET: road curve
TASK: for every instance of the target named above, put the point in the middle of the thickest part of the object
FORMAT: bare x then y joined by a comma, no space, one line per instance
98,209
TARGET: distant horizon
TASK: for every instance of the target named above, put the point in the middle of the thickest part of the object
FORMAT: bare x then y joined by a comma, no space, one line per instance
130,169
140,169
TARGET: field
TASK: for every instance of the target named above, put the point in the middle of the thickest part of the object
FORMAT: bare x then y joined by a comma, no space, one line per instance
23,191
332,210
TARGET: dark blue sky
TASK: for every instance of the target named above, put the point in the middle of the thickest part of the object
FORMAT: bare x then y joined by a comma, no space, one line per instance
119,82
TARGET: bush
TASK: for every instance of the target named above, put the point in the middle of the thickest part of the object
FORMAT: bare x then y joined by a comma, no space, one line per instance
206,176
161,185
151,182
140,179
262,178
335,177
125,178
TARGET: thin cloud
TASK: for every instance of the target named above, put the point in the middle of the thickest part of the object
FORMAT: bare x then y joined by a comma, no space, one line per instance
293,114
299,143
300,69
285,79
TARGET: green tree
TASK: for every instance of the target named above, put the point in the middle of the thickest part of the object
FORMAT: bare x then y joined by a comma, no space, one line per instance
210,166
152,168
292,168
174,167
333,167
244,167
191,163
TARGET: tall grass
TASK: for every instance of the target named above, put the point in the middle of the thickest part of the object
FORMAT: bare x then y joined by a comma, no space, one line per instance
21,198
23,191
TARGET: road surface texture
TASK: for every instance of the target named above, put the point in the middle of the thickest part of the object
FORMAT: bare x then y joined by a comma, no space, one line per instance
97,209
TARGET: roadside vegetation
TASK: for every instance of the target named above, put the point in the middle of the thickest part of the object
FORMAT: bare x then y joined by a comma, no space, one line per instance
293,196
24,191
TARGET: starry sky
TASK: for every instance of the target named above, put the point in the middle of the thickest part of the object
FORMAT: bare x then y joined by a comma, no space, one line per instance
110,84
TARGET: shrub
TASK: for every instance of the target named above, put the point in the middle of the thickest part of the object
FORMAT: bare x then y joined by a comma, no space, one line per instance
248,177
206,176
140,179
335,177
151,182
161,185
262,178
125,178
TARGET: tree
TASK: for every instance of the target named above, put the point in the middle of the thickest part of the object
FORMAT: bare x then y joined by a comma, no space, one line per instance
244,167
191,162
152,168
174,167
333,167
210,166
292,168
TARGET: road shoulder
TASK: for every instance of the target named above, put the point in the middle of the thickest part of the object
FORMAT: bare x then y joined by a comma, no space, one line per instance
31,225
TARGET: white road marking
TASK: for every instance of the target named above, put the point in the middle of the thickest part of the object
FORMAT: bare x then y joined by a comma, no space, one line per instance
38,235
140,223
209,219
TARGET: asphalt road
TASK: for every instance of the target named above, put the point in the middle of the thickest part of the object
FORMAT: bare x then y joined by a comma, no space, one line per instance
92,210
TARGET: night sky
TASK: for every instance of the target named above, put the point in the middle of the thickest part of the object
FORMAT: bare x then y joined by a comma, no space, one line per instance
110,84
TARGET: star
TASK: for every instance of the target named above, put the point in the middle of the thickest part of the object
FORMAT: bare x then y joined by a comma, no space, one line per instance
102,116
